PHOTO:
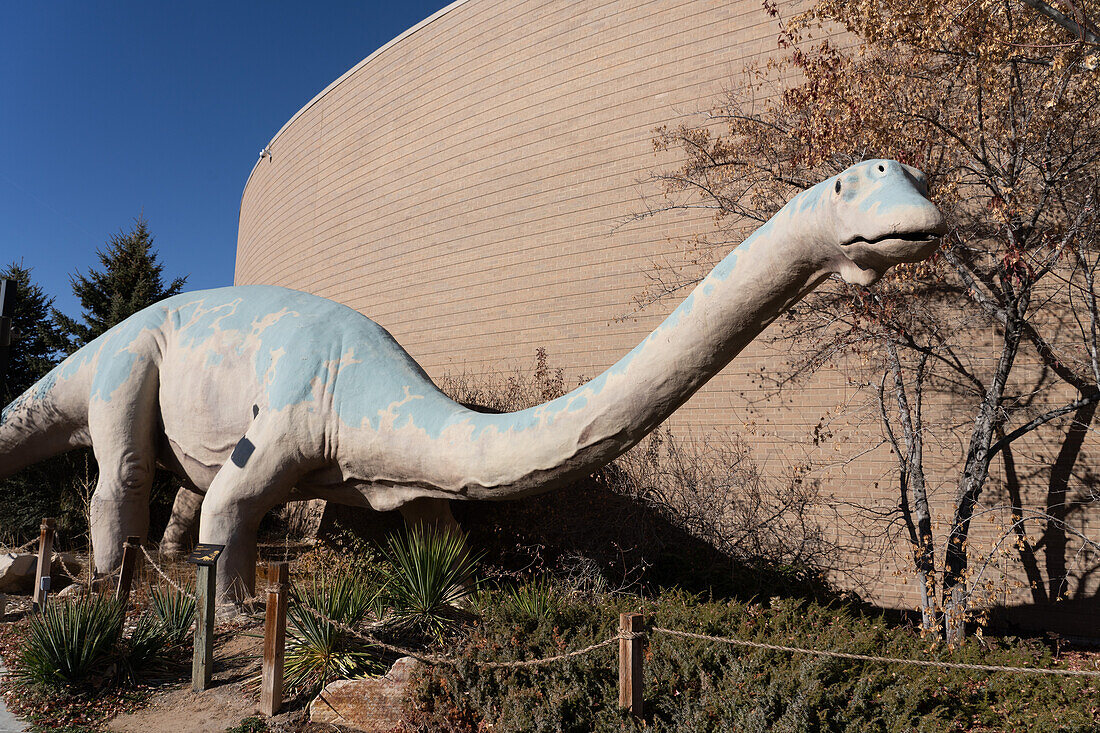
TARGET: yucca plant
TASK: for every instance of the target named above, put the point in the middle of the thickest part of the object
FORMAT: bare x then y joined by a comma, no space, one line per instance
431,572
146,648
319,651
174,611
537,600
71,641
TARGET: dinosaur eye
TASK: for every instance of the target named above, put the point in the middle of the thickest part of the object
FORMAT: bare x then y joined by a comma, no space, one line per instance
881,168
837,185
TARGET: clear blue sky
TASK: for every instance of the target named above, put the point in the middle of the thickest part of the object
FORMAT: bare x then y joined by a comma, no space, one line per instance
108,110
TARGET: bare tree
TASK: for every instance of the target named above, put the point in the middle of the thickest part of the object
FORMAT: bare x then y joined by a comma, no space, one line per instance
996,101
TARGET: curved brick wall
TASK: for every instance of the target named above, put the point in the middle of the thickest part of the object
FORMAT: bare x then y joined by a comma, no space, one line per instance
466,187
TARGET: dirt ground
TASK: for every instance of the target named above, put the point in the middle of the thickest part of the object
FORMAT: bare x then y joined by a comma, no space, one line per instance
223,705
232,696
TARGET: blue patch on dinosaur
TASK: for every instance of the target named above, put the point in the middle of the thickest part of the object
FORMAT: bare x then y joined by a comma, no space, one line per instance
304,348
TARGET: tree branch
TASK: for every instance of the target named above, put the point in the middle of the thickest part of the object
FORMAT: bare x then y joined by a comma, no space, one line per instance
1084,30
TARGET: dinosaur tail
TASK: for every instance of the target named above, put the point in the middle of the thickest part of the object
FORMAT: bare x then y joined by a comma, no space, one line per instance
49,418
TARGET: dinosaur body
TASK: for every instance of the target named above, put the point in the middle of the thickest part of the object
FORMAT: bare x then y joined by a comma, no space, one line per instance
257,394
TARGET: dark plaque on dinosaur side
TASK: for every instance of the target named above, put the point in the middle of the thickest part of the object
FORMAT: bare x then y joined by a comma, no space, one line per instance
205,554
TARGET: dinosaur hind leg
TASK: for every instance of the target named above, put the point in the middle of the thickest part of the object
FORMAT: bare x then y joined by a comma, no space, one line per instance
259,475
183,528
434,513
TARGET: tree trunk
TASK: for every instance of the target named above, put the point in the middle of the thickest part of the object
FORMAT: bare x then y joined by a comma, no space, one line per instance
914,492
974,475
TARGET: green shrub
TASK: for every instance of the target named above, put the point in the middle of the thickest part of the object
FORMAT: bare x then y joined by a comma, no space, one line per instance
707,686
319,651
174,611
431,572
251,724
71,641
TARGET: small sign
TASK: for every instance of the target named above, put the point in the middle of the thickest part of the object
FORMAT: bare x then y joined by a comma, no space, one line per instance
205,554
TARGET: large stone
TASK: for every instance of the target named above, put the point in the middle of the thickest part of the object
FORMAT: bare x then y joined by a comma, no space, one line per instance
17,572
372,705
74,591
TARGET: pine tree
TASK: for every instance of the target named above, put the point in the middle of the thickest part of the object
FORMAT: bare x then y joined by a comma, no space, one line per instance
34,336
44,489
130,280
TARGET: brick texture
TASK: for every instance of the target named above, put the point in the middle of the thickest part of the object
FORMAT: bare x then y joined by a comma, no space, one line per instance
470,187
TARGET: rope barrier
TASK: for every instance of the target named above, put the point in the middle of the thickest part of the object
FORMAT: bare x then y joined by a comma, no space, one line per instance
65,568
24,546
870,658
436,659
452,662
164,575
558,658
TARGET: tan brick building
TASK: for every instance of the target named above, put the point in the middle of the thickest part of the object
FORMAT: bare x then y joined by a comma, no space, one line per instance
469,186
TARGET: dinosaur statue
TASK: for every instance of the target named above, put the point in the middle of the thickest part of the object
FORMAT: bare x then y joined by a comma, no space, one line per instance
257,395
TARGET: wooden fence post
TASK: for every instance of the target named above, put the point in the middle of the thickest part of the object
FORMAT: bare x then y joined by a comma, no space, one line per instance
631,627
131,554
205,558
271,685
45,563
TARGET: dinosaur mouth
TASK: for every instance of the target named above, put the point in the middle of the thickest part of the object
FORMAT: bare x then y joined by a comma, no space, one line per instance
915,238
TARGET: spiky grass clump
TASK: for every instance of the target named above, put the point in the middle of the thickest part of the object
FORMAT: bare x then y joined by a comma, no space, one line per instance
76,642
319,651
71,642
537,600
145,649
431,572
174,611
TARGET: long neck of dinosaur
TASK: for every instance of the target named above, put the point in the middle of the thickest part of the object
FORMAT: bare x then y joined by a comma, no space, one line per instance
545,446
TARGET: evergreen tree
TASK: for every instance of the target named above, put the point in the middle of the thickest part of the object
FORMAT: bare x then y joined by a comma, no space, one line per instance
130,280
34,336
44,489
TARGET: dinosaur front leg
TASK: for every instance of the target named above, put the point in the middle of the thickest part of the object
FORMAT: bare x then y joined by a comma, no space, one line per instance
122,431
259,475
119,508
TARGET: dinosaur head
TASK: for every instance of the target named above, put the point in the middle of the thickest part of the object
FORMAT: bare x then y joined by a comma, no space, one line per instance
879,215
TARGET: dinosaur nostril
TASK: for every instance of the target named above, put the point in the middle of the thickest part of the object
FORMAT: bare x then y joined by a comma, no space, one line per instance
838,185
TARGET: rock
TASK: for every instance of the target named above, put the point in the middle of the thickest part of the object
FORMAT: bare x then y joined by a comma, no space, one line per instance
371,705
76,590
17,572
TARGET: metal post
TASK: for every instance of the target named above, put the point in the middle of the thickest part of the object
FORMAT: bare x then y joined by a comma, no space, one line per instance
271,685
45,563
631,628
